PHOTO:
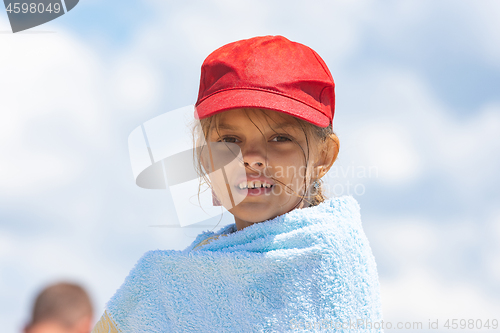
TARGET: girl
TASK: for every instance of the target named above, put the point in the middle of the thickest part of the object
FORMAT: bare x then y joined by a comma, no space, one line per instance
292,260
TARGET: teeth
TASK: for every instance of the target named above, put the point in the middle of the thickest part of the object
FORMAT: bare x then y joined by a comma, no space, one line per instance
253,184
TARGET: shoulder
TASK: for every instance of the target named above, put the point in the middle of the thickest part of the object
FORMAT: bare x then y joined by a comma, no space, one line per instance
105,325
208,236
205,242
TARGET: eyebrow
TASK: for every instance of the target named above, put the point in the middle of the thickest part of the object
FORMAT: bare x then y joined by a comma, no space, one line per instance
227,127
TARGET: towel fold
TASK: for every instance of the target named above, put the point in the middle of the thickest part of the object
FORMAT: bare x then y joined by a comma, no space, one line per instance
311,269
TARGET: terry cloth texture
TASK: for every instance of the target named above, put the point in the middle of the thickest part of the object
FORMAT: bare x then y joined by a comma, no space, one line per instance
311,269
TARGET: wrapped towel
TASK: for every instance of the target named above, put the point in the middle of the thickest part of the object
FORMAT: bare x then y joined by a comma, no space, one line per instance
311,269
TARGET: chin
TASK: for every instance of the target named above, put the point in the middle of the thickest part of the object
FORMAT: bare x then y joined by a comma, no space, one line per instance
258,211
253,215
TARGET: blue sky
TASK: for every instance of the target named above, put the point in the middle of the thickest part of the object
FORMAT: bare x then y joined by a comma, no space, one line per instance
418,101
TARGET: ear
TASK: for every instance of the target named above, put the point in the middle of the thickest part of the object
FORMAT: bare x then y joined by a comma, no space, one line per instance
327,154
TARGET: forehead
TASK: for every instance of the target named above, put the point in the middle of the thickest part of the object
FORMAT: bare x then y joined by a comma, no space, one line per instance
261,118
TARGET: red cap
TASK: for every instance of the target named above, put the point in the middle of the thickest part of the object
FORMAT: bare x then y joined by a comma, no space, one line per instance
268,72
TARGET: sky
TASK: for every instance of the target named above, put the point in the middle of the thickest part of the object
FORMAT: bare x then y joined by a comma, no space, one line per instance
417,114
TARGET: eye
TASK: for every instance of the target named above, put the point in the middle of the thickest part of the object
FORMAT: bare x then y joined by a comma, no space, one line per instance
228,139
281,138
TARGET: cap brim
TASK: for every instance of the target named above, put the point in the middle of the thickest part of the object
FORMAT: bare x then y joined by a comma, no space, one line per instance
253,98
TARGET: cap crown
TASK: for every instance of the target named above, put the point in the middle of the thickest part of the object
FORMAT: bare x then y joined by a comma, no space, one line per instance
268,72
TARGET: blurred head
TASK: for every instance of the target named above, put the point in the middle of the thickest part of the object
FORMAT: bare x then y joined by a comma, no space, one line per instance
63,307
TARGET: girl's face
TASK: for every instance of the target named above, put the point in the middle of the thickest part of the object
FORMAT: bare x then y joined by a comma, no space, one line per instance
276,153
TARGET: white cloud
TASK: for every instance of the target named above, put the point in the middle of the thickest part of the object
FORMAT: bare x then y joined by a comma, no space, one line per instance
61,101
407,28
134,84
467,150
57,139
419,294
415,241
51,108
4,22
328,27
492,250
400,127
484,25
417,291
390,148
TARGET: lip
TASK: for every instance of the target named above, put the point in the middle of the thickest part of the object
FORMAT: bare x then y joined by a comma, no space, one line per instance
251,179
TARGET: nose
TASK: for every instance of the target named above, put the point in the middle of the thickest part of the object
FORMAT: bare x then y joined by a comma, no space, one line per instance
254,157
254,165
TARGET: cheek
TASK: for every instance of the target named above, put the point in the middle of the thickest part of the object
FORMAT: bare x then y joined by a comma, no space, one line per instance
289,167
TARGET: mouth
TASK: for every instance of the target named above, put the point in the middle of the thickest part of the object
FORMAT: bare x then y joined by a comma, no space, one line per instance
254,184
255,187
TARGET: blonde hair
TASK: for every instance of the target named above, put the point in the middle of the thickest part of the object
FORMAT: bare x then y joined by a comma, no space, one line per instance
319,135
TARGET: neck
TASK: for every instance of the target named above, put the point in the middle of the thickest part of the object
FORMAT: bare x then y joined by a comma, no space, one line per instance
242,224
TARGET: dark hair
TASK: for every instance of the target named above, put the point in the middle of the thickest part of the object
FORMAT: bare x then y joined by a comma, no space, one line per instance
314,194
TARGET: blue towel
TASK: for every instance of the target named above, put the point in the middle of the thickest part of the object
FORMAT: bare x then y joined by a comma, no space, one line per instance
311,269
